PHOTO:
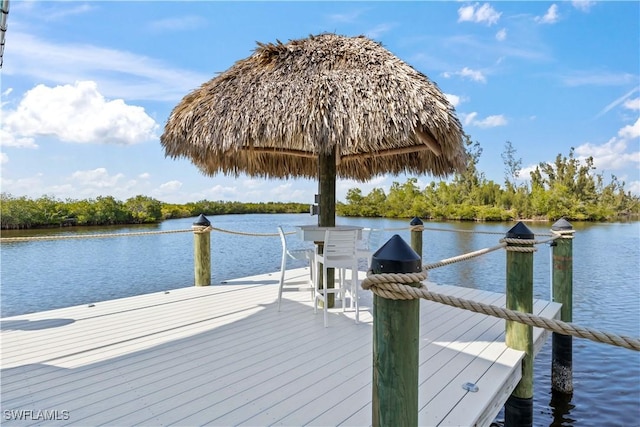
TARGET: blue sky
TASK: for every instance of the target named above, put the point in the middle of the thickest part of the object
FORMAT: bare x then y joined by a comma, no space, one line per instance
87,87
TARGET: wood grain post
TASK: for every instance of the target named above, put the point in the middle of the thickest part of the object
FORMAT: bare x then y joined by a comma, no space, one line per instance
562,278
202,251
519,406
396,336
327,208
417,228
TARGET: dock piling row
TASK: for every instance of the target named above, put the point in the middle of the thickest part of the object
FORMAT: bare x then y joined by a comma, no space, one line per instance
562,274
202,251
519,406
396,339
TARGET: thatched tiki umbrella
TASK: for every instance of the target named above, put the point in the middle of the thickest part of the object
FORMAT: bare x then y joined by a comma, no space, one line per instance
322,107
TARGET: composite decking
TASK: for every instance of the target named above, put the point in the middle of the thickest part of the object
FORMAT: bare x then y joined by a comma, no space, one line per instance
224,355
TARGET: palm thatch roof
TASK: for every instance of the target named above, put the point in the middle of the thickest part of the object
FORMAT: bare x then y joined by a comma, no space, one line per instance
272,114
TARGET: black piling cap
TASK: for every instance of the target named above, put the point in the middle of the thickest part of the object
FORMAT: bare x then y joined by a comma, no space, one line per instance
561,224
396,256
203,221
416,221
520,231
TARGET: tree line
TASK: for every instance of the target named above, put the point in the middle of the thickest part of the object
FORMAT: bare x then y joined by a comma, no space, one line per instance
567,187
47,211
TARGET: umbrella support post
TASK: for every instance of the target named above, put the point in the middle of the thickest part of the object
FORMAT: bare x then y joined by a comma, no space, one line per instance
327,207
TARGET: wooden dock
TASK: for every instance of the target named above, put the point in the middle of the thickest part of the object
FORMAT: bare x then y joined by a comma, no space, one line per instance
224,355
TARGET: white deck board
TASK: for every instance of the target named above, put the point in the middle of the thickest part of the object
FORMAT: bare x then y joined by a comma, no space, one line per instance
224,355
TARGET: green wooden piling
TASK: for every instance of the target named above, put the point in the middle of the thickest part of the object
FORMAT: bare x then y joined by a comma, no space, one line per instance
202,251
396,337
519,406
417,228
327,207
562,278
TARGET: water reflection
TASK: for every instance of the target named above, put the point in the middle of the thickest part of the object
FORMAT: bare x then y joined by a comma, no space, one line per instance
561,406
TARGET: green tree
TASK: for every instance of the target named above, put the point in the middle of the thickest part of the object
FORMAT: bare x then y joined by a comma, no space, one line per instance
403,200
143,209
512,166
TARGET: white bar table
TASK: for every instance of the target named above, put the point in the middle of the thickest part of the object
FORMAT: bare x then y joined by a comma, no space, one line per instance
315,233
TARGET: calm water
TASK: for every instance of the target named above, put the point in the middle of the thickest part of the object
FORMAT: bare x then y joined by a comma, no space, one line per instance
44,275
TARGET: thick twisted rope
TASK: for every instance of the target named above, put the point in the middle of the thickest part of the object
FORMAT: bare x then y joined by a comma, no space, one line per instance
392,286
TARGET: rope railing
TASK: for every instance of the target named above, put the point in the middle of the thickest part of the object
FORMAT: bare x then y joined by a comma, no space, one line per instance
244,233
140,233
454,230
394,286
241,233
463,257
503,244
89,236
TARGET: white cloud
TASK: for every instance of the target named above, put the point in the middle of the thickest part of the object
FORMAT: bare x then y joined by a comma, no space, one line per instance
632,104
466,72
144,175
630,131
253,184
5,95
220,192
9,140
98,178
63,191
260,190
491,121
78,185
487,122
501,35
78,113
583,5
346,17
551,17
381,181
609,156
633,187
623,99
524,174
453,99
120,74
613,155
22,186
286,192
474,75
379,30
4,158
467,119
170,187
483,14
